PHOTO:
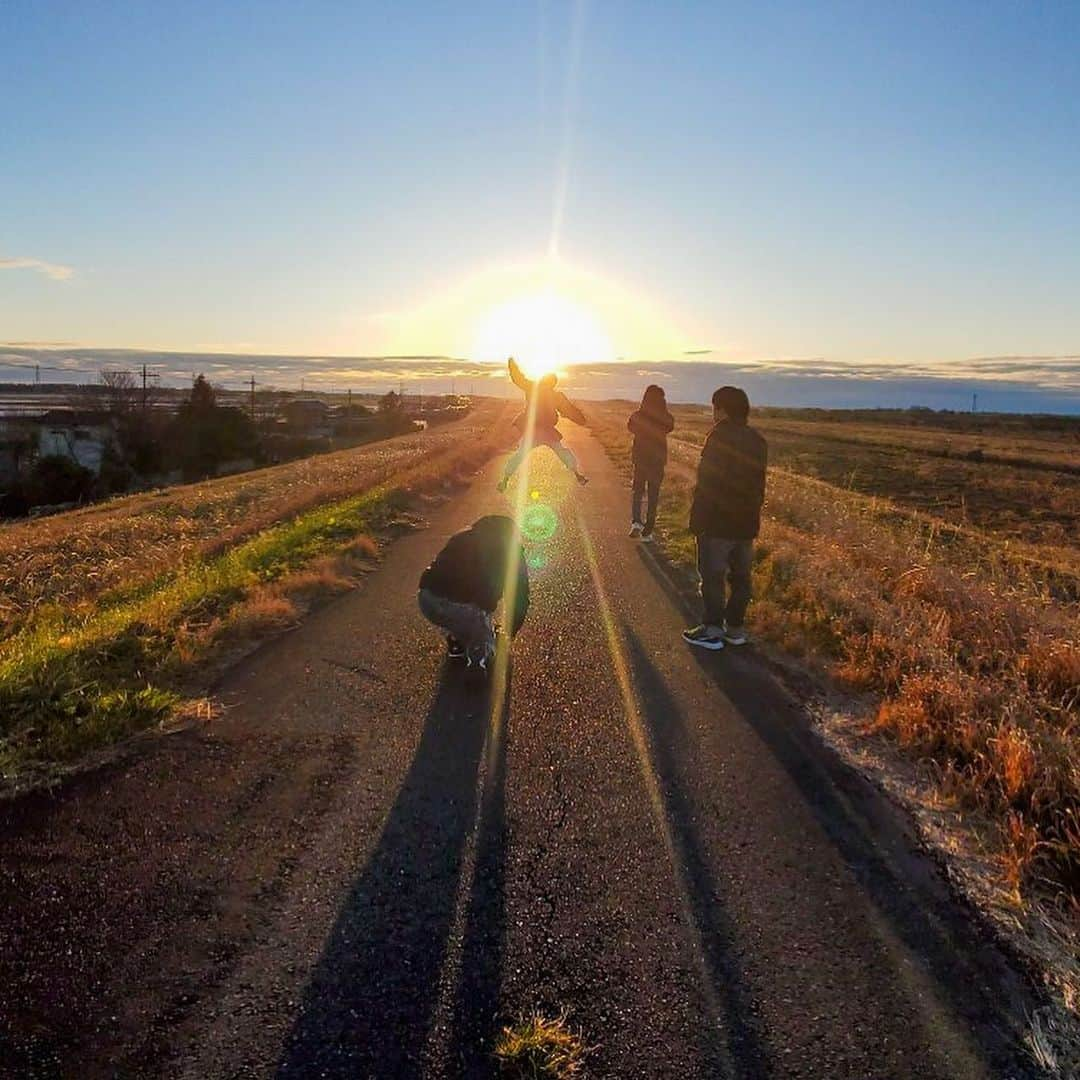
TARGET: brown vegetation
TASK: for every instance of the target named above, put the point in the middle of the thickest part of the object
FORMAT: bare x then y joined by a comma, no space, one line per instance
970,645
132,540
120,655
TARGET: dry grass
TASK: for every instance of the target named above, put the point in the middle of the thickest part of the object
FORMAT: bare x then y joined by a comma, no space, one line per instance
538,1048
74,558
975,662
1022,492
76,676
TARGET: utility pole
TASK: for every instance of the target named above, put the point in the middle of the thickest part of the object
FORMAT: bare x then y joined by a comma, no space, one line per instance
348,394
974,402
37,374
253,398
144,387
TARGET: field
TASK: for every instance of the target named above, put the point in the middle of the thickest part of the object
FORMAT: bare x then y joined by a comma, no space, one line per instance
934,568
106,612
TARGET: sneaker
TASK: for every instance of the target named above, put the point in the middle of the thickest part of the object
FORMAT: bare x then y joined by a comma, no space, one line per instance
736,635
454,649
478,663
704,637
647,538
636,530
582,479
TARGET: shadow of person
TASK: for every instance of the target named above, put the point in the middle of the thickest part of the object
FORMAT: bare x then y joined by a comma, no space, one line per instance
372,997
673,754
971,974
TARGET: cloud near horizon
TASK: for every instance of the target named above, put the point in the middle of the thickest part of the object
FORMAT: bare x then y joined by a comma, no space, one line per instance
1002,383
55,271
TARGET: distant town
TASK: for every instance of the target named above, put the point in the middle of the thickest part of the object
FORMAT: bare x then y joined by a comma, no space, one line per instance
64,445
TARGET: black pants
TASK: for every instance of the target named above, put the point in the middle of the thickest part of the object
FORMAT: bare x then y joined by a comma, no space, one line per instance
646,476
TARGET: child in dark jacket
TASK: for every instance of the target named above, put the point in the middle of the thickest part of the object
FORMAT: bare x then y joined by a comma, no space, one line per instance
461,589
650,426
544,405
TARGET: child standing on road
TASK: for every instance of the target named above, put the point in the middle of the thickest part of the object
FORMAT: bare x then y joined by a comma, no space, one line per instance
650,426
461,589
725,516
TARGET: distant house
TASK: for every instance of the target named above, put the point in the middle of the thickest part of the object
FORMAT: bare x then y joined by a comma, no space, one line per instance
80,435
309,415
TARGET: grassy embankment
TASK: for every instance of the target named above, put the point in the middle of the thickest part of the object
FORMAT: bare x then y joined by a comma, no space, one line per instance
944,587
112,610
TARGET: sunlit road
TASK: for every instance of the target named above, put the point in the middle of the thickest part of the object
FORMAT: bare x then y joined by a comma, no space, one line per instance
365,868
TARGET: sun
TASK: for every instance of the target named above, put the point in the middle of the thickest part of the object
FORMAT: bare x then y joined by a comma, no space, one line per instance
543,331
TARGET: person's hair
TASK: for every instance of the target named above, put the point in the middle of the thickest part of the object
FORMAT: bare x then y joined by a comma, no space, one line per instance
653,400
549,380
496,523
732,401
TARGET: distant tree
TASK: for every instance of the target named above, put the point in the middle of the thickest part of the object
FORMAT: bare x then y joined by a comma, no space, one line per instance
57,479
202,397
204,434
390,403
116,473
119,390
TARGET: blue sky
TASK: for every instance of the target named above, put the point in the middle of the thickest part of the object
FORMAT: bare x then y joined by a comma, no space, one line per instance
894,184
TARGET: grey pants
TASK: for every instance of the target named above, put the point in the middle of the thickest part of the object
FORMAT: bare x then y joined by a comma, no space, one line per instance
646,478
469,624
720,562
525,447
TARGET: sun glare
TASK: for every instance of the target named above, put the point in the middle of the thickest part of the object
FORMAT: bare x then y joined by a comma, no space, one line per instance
543,331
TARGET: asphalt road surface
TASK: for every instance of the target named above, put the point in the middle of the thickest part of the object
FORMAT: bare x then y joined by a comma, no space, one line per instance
367,866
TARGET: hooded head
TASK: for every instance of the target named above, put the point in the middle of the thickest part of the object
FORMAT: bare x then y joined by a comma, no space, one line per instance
496,525
653,400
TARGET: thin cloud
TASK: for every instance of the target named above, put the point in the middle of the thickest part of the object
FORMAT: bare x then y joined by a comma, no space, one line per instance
56,271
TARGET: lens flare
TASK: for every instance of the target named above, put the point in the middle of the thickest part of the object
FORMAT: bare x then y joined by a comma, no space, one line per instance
539,523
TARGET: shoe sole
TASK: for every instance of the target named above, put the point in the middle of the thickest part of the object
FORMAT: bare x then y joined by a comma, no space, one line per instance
712,646
737,644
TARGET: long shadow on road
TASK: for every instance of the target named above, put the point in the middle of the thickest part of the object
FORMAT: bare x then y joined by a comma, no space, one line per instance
746,1052
970,973
372,998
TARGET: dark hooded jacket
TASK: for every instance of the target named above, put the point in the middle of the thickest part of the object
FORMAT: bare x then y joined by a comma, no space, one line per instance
650,428
550,405
730,483
472,568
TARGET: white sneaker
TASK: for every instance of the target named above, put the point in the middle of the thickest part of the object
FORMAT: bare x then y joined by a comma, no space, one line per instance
736,635
636,530
647,538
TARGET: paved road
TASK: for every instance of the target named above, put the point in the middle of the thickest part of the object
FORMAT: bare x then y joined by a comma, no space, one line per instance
367,866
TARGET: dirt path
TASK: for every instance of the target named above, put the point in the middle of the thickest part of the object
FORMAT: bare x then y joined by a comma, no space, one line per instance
366,868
